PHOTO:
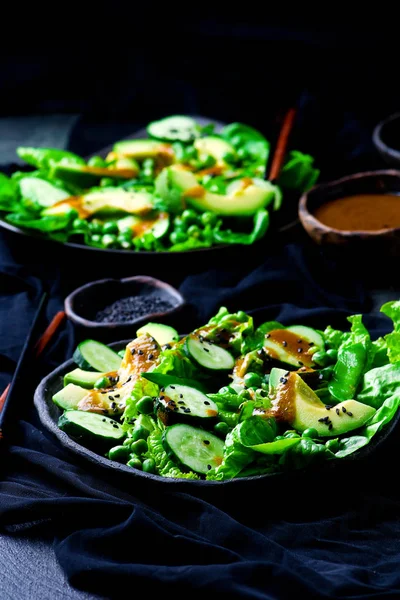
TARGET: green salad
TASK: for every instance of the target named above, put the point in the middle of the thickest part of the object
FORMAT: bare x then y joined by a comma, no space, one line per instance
231,400
183,187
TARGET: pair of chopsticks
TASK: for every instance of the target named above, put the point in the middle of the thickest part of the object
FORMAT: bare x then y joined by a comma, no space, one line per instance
32,349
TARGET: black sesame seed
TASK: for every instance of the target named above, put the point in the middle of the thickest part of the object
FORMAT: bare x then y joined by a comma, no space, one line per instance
116,395
103,392
140,352
151,356
155,346
206,442
344,409
283,380
328,406
162,389
330,426
172,387
311,343
104,420
209,467
299,349
167,347
111,398
267,335
180,395
299,341
300,363
115,426
187,410
162,397
349,413
287,373
321,420
206,402
337,411
284,344
181,402
133,350
206,350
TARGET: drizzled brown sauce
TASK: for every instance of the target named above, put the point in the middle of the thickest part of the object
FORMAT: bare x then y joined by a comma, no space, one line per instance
365,212
109,172
283,406
195,192
293,344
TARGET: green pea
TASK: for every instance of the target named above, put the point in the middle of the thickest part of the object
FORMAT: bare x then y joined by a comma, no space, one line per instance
96,226
333,354
191,152
96,239
252,380
127,442
194,231
109,240
124,243
140,433
244,394
242,153
145,405
224,390
327,372
110,227
208,218
291,434
80,224
320,358
148,164
332,445
180,224
102,382
139,447
136,463
106,182
119,453
97,161
149,465
222,428
189,216
241,316
208,162
310,433
177,237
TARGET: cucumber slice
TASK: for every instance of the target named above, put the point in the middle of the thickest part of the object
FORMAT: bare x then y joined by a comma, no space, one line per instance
163,334
69,397
41,192
208,355
195,448
176,128
160,228
187,402
85,379
94,356
309,335
91,427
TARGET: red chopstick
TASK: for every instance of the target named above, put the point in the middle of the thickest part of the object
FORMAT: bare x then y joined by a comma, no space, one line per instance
41,344
281,145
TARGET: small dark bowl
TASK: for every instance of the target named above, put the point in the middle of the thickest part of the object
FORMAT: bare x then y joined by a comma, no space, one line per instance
385,242
82,305
386,138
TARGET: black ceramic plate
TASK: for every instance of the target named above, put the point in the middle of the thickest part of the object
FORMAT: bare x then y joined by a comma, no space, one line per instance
49,414
281,222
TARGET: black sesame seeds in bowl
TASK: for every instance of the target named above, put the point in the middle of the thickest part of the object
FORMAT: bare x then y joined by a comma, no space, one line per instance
110,307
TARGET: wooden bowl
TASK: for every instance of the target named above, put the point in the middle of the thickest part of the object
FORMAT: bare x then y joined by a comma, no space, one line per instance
383,241
82,305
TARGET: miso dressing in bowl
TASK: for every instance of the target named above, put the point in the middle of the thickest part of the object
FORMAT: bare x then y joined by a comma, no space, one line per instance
362,212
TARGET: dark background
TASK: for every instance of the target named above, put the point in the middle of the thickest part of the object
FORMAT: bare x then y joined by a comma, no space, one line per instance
120,65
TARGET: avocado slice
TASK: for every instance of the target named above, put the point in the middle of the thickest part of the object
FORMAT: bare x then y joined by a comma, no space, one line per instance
290,346
214,146
108,200
86,176
295,403
178,186
141,149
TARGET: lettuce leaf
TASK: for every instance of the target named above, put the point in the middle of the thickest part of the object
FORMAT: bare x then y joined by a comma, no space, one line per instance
45,157
260,226
48,223
379,384
239,325
8,193
298,172
164,465
392,310
256,340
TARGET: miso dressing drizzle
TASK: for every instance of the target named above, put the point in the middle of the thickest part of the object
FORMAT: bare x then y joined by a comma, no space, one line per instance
364,212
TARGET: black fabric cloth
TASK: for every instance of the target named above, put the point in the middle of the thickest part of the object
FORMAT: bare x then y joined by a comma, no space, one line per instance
302,536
